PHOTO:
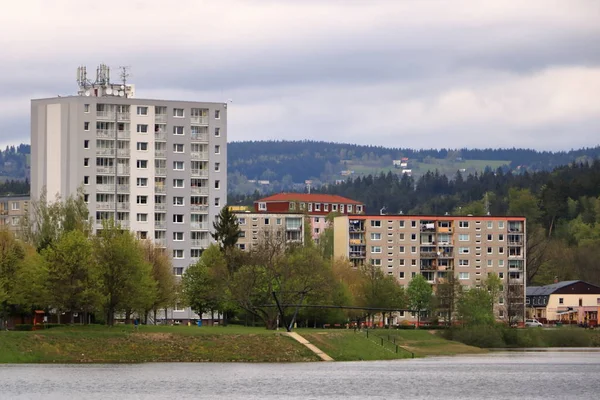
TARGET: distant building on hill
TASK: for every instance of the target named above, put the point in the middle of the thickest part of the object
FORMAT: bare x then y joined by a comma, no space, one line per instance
12,210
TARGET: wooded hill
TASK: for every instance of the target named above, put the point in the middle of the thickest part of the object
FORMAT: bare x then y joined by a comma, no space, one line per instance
286,165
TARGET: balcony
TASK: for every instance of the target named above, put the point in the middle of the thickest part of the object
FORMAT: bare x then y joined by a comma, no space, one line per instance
160,207
122,206
160,171
199,225
123,134
123,170
199,172
442,229
123,223
358,254
160,224
515,242
199,208
160,136
105,133
428,254
105,205
105,115
123,152
199,190
160,189
199,155
197,120
160,242
160,153
160,118
123,116
204,243
199,137
105,188
123,188
105,152
105,170
446,255
357,241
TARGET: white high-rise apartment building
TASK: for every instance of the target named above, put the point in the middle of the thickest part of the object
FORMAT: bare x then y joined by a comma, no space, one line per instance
158,167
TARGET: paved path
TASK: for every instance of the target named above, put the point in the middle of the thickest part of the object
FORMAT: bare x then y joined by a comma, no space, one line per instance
309,345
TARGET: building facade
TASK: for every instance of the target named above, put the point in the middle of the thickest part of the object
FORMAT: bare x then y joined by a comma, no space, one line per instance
12,210
157,167
316,206
469,247
255,226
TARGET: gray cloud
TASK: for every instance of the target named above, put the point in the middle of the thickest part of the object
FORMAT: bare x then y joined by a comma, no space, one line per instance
403,73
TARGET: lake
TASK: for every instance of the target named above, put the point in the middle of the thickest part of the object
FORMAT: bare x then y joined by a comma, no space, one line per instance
498,375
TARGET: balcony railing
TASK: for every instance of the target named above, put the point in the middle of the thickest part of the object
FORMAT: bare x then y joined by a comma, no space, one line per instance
199,190
199,172
160,224
160,153
160,189
160,135
124,223
105,188
160,171
199,137
199,155
515,242
105,133
123,188
105,170
122,205
196,120
200,243
160,242
199,225
123,170
123,152
110,115
160,207
105,152
105,205
123,134
123,116
160,118
358,254
199,207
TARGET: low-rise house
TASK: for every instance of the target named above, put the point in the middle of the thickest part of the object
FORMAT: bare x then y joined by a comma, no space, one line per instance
573,302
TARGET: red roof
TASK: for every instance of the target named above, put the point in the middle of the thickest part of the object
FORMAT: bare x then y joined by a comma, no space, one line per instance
309,198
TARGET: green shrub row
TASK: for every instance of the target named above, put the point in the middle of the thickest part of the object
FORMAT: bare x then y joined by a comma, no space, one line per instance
29,327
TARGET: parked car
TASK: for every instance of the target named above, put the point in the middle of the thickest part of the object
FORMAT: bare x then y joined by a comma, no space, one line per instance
533,323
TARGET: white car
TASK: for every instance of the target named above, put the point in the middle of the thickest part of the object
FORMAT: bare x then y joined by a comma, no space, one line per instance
533,323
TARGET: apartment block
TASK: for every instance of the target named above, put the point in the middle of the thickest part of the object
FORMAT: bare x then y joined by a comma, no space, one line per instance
257,226
157,167
315,205
12,210
469,247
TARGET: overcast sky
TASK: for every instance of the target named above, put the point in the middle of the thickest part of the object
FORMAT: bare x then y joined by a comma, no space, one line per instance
398,73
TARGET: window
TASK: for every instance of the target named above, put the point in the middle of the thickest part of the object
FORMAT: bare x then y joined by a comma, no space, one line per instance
490,250
501,237
217,149
401,275
86,144
178,236
402,249
500,250
463,263
217,202
142,146
463,224
142,164
217,184
376,262
217,167
278,221
178,112
463,237
217,132
375,236
177,271
178,183
178,148
401,236
142,110
196,253
325,207
178,253
490,237
86,108
413,263
178,130
142,128
490,224
262,206
142,218
86,198
561,300
143,235
375,249
501,275
413,249
334,208
178,201
178,165
413,224
86,180
15,206
463,275
500,224
217,114
413,236
178,218
490,263
501,263
401,224
463,250
142,199
86,126
86,162
375,224
142,182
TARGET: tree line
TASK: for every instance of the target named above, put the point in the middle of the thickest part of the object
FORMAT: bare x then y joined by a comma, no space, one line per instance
59,265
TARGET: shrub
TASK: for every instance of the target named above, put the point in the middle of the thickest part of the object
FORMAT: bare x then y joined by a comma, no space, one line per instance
23,327
478,335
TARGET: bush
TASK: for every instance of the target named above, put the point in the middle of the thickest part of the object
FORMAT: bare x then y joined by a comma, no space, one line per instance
48,326
23,327
478,336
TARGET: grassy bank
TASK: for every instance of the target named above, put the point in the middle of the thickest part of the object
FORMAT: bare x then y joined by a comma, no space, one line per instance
121,344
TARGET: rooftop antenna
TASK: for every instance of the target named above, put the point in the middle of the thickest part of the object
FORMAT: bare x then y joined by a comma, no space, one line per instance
308,183
382,210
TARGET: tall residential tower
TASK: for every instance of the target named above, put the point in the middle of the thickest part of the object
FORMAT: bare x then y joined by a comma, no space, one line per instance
158,167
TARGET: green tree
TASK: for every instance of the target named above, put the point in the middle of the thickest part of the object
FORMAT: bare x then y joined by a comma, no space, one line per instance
11,256
72,282
126,280
420,295
162,274
380,291
474,307
448,291
226,229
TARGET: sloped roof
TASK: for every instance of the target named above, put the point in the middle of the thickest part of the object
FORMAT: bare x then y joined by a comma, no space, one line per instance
547,290
309,198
